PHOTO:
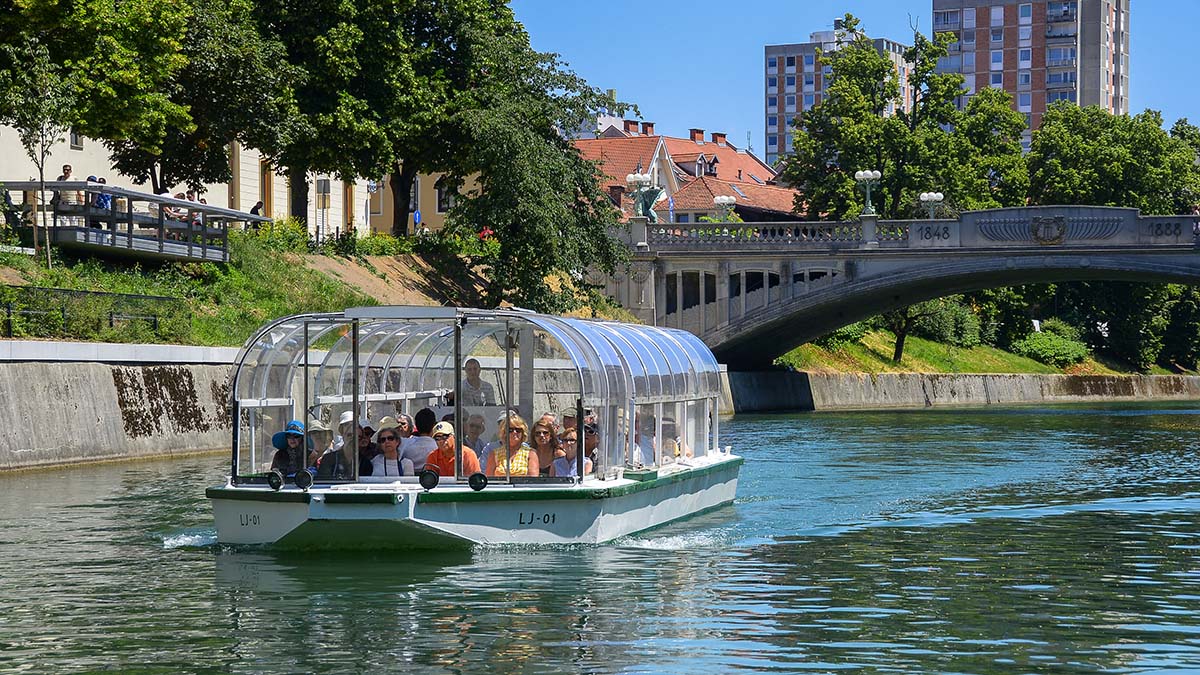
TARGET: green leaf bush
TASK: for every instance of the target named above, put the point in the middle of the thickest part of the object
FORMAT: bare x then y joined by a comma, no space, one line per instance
1051,349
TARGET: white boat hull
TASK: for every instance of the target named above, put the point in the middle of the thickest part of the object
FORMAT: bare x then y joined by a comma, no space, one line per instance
402,515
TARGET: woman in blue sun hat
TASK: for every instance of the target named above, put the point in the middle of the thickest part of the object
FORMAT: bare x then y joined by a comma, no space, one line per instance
288,444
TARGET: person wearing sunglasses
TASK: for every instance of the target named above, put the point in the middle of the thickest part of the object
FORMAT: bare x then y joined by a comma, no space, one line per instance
567,465
545,444
442,459
387,462
514,457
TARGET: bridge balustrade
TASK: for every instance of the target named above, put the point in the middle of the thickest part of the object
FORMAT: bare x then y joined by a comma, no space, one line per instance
766,235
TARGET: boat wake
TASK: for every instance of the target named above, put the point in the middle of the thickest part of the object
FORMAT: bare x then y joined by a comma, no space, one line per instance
186,540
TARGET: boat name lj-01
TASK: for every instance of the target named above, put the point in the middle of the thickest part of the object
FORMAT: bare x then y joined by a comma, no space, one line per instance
249,519
532,518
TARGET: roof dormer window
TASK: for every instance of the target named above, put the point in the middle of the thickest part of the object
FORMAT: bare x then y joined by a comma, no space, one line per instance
700,166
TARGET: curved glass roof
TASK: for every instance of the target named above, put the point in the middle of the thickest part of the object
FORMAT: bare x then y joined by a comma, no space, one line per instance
402,351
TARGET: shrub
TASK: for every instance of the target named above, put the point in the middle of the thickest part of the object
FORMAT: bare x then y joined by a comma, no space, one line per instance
952,323
1051,349
288,235
846,335
383,244
1056,326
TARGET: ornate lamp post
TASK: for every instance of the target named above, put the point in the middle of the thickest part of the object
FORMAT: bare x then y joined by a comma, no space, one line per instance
932,200
868,179
724,204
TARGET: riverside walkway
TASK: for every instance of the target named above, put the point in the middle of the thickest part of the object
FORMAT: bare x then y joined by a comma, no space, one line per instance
752,291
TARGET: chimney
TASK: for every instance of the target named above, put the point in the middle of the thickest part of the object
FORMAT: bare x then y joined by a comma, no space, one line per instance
616,193
718,137
697,135
631,127
647,128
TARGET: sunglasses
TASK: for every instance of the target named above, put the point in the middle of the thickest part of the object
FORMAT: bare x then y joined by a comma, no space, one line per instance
385,439
569,441
441,437
517,431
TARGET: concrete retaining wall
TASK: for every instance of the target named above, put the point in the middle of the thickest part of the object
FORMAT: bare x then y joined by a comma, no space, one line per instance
61,413
775,391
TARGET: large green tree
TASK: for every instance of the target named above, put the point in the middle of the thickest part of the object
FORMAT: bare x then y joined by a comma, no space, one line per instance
236,87
915,136
1087,155
120,57
533,190
334,130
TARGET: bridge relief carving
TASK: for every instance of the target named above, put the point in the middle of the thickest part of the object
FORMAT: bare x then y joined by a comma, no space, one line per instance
1049,230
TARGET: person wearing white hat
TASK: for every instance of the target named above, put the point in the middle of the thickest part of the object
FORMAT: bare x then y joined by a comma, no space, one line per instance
366,449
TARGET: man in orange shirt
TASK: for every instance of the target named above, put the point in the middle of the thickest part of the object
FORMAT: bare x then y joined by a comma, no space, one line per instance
443,458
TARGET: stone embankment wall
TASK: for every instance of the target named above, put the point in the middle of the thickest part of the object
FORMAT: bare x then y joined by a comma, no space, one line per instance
56,414
776,391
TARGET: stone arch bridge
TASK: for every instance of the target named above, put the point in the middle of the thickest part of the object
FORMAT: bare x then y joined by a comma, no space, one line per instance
753,291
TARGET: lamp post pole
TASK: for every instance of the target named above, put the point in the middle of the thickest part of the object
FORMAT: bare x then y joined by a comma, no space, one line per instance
868,179
931,201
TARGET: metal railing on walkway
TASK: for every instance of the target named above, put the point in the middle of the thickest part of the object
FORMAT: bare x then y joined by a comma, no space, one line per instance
35,311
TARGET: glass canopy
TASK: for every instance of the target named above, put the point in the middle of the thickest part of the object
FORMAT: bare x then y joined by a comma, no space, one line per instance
646,395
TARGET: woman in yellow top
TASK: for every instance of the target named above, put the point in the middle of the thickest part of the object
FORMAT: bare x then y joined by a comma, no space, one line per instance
514,454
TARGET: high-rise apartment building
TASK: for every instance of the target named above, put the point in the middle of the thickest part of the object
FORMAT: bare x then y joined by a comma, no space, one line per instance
795,82
1040,52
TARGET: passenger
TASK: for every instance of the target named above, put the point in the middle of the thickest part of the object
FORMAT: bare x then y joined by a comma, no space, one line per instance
386,422
643,439
591,436
417,447
404,424
338,462
496,441
289,454
366,449
514,457
442,459
475,429
568,419
545,444
674,446
551,419
320,437
474,390
567,465
387,463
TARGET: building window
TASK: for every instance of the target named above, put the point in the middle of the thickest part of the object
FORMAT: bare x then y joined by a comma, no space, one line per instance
791,82
772,122
997,35
772,141
968,62
445,196
968,18
809,60
997,81
1024,101
1023,58
771,63
1060,56
997,15
1055,96
997,60
790,104
772,82
681,217
808,101
968,39
76,140
791,62
1024,78
810,80
772,102
947,20
1025,13
1060,77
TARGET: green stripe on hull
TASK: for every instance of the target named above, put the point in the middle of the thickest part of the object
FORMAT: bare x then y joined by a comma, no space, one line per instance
541,494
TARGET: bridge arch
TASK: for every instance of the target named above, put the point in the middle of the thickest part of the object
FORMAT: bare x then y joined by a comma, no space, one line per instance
756,338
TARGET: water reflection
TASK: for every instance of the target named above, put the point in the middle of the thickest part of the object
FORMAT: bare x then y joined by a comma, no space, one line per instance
1034,540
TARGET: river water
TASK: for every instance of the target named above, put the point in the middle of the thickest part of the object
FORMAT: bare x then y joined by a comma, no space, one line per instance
1051,540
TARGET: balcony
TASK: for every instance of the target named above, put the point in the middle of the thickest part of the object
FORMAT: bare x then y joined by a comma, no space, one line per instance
1061,32
1061,63
1062,15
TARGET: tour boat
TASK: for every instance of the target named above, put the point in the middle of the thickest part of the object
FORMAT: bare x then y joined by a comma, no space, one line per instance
644,398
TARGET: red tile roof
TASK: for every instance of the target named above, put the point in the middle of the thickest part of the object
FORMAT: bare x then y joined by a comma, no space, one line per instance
619,157
697,194
729,159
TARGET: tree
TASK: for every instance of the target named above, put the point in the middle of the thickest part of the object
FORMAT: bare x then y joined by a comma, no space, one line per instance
902,321
1128,321
1086,155
538,195
119,55
236,87
862,122
39,102
1181,340
334,129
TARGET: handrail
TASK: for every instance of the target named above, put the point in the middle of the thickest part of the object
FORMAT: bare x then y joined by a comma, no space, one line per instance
132,195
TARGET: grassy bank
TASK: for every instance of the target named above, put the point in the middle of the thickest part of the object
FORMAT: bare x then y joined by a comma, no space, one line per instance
227,302
873,354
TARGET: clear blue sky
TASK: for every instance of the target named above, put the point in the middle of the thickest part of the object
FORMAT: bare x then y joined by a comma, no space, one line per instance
699,63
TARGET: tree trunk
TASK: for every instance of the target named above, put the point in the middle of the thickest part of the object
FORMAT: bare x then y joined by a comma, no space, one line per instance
898,352
156,183
41,207
298,189
400,181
